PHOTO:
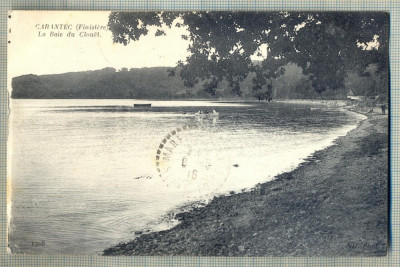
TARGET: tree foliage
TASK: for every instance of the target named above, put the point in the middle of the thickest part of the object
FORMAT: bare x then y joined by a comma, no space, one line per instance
326,45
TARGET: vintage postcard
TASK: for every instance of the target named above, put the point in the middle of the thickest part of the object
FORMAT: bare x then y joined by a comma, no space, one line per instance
198,133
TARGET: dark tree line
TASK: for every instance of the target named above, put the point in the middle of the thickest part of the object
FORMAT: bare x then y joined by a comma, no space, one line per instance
332,51
156,83
104,83
326,45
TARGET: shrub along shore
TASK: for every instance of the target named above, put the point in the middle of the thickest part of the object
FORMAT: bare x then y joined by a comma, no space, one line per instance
335,204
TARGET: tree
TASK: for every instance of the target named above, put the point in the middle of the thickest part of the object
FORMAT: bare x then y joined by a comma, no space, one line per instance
326,45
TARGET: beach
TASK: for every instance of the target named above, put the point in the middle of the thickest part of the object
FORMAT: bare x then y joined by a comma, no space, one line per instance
248,144
336,203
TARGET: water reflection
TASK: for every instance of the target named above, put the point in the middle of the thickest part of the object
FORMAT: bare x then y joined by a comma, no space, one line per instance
75,162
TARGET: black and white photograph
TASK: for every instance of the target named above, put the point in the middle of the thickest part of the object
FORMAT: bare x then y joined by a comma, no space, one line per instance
198,133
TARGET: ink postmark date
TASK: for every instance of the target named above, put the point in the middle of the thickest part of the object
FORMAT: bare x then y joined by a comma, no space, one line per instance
183,156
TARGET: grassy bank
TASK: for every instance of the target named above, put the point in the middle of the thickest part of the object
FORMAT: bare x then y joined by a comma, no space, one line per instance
335,204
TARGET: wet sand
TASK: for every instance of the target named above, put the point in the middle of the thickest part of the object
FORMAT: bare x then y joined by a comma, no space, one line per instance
336,204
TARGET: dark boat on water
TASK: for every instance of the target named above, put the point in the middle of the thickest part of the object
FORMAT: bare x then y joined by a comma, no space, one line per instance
142,105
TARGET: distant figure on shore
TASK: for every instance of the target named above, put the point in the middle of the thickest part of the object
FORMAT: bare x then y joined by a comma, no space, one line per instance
383,107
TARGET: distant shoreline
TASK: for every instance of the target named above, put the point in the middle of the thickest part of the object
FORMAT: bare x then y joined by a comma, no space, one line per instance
334,205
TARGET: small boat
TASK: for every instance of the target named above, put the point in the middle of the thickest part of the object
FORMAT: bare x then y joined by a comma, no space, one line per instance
142,105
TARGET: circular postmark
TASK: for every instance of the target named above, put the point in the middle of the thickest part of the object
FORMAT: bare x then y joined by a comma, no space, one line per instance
189,158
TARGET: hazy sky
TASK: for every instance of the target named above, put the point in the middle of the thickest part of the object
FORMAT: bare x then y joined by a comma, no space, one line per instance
31,54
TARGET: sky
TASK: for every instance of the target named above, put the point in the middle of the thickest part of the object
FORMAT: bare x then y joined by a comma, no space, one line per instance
30,54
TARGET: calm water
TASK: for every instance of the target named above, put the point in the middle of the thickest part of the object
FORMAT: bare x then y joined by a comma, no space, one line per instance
84,174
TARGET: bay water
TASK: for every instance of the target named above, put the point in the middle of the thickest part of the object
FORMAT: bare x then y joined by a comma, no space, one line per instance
84,174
